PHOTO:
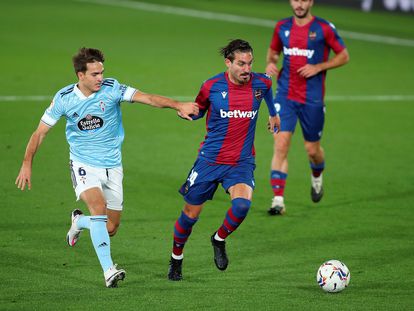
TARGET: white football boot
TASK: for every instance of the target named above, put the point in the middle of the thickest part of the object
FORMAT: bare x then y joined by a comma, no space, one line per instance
278,206
113,275
73,234
316,188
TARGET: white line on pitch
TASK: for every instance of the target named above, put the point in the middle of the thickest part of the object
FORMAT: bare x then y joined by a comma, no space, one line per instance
159,8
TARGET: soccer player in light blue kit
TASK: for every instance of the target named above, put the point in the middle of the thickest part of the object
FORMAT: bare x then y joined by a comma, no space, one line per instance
95,134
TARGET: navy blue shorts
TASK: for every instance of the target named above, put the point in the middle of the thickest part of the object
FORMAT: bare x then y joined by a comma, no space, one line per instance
204,178
311,117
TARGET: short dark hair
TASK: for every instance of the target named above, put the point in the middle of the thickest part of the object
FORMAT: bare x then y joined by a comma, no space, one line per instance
84,56
235,46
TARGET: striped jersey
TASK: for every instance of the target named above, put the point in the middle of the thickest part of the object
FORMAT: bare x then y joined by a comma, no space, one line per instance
232,112
94,128
301,45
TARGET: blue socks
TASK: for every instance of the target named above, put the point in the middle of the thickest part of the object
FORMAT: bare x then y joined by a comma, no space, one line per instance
234,217
100,239
317,169
182,230
84,222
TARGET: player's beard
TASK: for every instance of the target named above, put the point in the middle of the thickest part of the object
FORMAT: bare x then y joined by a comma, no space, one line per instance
303,14
244,78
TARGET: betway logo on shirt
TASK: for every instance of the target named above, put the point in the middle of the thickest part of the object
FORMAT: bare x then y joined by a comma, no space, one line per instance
298,52
238,114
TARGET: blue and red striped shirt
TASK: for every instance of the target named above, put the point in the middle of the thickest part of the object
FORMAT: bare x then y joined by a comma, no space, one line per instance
232,112
301,45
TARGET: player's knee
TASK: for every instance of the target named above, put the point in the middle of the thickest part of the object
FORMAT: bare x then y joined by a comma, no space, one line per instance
313,152
240,207
312,149
192,211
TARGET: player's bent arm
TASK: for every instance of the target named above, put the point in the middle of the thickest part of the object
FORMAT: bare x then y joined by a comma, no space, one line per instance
338,60
272,58
184,110
33,145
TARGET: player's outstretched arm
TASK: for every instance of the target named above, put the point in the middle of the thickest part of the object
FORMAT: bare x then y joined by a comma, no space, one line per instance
25,174
184,109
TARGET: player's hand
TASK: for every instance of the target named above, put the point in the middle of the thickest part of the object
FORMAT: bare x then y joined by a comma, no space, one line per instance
24,177
186,110
309,71
271,69
273,125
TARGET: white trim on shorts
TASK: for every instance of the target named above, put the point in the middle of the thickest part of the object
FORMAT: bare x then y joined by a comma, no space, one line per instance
109,180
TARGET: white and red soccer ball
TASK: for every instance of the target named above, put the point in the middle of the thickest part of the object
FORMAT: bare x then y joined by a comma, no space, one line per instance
333,276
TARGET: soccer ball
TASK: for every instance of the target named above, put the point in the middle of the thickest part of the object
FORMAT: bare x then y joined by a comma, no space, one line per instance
333,276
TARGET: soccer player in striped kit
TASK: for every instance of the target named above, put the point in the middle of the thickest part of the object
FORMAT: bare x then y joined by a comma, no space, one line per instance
94,131
231,101
305,41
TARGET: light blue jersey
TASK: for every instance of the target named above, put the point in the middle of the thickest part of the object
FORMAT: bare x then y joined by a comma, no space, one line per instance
94,128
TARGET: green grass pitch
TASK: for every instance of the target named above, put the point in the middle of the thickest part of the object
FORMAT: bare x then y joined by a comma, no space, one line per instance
365,219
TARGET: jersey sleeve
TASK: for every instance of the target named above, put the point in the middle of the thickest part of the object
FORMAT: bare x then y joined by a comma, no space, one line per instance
122,92
268,97
53,113
203,101
276,44
333,39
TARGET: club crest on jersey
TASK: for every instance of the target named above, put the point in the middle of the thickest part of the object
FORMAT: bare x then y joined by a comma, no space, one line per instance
287,32
90,123
102,105
312,35
258,94
224,94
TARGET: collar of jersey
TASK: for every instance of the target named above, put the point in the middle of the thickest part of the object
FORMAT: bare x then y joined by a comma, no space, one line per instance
78,92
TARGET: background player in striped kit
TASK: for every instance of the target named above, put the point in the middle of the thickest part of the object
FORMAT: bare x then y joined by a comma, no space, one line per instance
305,42
231,101
95,134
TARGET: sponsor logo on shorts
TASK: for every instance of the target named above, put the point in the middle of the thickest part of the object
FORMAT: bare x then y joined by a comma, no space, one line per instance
90,123
238,114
